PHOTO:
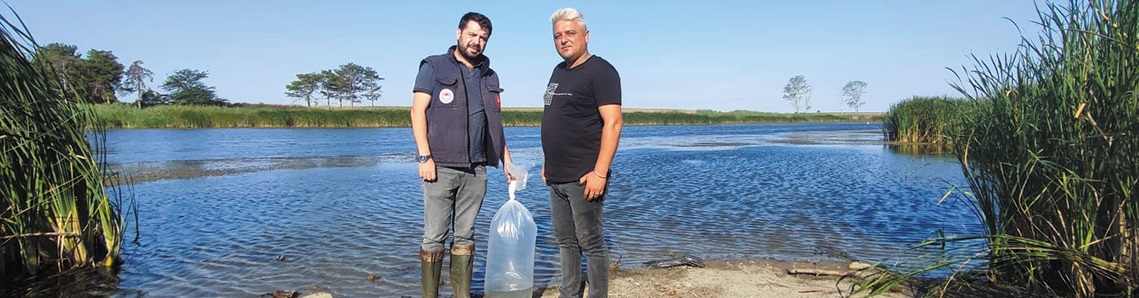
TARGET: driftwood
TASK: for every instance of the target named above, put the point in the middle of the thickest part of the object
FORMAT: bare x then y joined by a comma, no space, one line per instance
815,290
681,260
818,272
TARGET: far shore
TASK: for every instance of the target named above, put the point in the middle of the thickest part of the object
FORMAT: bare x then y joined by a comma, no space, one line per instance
120,116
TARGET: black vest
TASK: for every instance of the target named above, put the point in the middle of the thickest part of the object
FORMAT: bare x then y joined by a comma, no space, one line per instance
448,110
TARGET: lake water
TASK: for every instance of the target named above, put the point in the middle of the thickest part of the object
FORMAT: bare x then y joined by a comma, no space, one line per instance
242,212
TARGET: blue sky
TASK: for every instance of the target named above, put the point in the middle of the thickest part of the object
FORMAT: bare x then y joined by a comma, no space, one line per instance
718,55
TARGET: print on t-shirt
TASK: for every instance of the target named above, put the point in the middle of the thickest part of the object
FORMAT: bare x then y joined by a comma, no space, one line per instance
550,93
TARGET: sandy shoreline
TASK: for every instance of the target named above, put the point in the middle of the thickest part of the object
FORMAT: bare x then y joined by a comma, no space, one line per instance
760,278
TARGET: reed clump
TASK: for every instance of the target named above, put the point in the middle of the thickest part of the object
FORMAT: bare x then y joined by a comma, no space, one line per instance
1051,158
55,214
925,120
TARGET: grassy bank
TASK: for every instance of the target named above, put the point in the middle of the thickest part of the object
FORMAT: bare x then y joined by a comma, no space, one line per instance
126,116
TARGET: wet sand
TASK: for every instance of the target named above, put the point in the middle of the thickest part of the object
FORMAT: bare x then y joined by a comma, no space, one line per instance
747,278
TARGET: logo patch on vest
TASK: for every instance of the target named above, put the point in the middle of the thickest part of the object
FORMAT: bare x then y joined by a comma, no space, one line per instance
498,100
446,96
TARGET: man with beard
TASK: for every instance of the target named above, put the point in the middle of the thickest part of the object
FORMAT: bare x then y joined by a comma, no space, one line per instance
456,118
581,126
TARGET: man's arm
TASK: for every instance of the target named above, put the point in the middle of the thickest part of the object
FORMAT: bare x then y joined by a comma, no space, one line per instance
610,137
507,164
419,104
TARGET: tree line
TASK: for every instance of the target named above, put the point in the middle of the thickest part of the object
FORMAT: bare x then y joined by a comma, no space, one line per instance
98,77
798,93
350,83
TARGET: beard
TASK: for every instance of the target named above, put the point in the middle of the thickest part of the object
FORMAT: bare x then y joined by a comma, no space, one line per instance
464,50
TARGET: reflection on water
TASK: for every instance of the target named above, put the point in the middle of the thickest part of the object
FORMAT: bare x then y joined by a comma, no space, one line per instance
182,169
241,212
921,149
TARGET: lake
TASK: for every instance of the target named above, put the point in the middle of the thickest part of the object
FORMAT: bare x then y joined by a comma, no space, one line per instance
242,212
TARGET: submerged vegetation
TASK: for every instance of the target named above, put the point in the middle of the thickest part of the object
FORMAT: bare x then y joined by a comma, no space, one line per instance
1049,151
55,214
189,116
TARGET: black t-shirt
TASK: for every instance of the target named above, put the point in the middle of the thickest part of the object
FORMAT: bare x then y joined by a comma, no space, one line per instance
571,124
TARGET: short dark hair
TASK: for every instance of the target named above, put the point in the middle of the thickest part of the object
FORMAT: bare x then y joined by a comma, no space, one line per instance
483,21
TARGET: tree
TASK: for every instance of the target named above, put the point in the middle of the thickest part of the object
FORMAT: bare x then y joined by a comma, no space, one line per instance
102,73
853,92
372,90
151,98
186,87
135,80
326,86
351,82
798,92
95,78
63,61
305,87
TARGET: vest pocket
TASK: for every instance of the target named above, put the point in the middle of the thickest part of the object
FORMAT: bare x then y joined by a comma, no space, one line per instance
447,92
493,90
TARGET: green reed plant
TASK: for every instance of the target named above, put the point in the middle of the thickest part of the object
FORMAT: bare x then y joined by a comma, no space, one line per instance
55,212
926,120
1052,155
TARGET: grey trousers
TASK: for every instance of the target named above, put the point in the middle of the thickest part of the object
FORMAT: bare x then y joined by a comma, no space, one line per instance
453,199
578,230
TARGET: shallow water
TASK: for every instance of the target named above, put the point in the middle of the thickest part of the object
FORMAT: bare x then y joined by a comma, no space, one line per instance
242,212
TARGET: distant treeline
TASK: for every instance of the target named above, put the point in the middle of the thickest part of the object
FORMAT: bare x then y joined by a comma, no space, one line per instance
181,116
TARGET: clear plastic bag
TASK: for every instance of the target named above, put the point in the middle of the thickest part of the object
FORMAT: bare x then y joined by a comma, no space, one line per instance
510,254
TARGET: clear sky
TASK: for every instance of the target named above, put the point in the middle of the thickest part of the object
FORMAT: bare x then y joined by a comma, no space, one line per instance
717,55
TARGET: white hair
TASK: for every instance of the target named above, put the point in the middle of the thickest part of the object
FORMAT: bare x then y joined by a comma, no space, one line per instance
568,14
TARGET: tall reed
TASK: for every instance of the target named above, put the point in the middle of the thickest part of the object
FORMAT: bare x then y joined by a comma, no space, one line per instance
926,120
55,213
1052,154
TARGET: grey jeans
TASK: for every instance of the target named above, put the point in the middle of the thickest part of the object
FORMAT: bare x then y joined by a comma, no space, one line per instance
578,230
453,199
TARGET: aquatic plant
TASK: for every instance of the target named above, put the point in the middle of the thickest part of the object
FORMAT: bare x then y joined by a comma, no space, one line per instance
55,212
925,120
1050,156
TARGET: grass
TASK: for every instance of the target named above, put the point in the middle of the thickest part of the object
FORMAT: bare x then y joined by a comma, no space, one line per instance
55,214
127,116
1049,152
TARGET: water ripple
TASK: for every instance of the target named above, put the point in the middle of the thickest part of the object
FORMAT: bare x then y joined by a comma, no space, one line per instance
351,224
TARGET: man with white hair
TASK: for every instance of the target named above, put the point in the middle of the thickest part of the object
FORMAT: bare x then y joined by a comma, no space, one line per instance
581,127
